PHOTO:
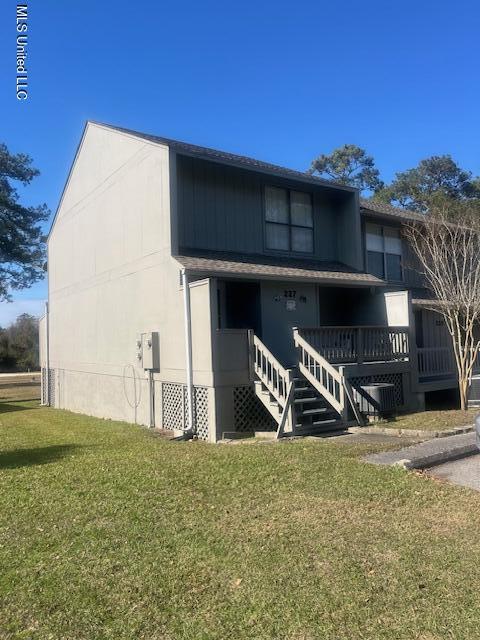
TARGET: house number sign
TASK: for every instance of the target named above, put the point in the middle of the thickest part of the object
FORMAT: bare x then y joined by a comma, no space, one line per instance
290,304
290,299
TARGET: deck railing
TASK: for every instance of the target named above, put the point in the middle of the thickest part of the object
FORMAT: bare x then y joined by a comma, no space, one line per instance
435,361
275,377
358,344
439,362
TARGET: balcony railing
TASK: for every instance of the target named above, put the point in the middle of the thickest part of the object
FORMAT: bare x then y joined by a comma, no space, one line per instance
439,362
355,345
435,362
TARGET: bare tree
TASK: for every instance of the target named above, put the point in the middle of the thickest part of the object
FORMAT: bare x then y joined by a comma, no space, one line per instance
449,259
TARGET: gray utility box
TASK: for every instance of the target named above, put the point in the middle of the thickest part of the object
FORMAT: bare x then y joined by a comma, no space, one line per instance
474,392
148,351
376,399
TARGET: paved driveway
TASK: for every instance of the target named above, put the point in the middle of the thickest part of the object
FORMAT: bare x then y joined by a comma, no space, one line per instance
465,472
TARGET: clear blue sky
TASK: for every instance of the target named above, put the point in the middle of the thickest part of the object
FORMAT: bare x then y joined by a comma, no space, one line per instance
281,81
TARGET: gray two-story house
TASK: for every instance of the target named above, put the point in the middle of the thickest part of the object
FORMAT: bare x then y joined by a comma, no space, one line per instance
201,291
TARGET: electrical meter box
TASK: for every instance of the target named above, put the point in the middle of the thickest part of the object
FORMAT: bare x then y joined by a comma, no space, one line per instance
148,351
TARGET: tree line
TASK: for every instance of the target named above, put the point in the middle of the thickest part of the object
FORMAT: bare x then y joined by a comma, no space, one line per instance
436,183
19,345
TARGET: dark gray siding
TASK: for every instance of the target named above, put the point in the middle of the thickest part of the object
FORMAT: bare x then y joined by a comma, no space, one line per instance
411,276
221,208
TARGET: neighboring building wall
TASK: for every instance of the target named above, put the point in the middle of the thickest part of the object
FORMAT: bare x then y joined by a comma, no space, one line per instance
111,277
412,278
433,331
222,208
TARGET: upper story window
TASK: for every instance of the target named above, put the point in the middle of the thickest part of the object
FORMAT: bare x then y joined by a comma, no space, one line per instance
288,220
384,252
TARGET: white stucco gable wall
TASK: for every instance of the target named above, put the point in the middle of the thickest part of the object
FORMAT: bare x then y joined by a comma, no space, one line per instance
109,211
111,275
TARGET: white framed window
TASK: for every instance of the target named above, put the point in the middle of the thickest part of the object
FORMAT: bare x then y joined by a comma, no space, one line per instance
384,252
288,220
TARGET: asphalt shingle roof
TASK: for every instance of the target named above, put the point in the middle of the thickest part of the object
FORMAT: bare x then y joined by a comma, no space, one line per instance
218,262
231,158
367,205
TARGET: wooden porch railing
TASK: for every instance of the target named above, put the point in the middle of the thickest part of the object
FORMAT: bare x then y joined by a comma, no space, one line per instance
277,379
439,362
328,381
435,361
358,344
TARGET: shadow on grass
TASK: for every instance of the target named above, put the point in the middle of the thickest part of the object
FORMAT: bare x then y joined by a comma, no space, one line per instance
6,406
16,458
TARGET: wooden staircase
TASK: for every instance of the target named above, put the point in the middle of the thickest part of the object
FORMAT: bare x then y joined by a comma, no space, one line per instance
297,406
312,411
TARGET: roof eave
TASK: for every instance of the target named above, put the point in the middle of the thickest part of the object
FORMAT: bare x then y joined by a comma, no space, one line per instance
325,280
284,172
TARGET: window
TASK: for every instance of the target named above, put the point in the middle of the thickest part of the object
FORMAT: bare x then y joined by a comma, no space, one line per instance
288,220
384,252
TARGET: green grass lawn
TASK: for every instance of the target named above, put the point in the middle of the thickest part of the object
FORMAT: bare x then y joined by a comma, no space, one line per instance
432,420
107,531
19,387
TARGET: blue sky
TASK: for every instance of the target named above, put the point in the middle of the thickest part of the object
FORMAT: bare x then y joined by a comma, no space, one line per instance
280,81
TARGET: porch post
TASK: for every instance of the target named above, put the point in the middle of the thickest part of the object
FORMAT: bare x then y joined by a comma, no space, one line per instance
188,351
251,355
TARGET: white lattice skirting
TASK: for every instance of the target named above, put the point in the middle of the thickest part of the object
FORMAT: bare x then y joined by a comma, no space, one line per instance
249,413
48,386
175,408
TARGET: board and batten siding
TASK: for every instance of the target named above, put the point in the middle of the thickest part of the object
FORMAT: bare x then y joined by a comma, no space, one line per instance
221,208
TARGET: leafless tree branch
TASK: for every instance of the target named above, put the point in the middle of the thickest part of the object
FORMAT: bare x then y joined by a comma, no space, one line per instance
449,259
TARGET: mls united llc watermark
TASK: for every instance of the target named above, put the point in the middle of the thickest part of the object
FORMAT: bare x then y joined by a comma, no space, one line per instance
22,46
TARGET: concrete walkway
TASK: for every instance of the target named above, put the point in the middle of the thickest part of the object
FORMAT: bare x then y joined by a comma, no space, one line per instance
464,472
428,453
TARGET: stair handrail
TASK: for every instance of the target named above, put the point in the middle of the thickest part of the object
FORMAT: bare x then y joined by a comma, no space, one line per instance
272,374
328,381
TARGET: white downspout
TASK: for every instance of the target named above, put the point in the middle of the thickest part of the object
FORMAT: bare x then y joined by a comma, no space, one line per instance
188,350
47,354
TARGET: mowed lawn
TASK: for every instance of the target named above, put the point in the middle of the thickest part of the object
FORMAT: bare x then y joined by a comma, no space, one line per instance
108,531
433,420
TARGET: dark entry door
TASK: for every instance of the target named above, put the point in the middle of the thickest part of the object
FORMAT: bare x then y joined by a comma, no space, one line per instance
242,306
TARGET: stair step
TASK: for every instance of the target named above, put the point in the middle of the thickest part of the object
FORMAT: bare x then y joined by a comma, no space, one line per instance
325,426
298,389
310,399
311,412
317,423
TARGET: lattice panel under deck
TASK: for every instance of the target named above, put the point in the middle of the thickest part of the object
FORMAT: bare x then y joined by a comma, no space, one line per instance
388,378
201,412
48,390
44,386
175,408
249,412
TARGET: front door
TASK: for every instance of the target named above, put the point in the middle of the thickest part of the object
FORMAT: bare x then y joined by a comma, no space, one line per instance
284,306
242,306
